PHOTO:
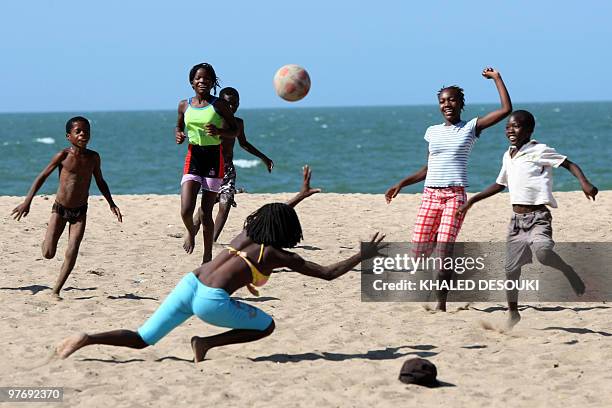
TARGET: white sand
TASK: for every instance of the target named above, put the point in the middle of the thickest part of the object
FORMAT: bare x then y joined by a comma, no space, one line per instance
329,348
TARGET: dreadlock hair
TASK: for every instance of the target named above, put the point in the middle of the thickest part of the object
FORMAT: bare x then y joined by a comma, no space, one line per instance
457,89
526,119
274,224
74,120
209,70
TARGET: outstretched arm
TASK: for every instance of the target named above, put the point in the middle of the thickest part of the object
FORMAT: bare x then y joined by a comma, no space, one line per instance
103,187
306,191
486,193
246,145
23,209
590,191
330,272
494,117
414,178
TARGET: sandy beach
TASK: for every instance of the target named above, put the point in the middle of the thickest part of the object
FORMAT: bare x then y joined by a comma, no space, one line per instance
329,348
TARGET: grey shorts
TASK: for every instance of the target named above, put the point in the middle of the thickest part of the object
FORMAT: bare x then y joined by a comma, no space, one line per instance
228,188
526,233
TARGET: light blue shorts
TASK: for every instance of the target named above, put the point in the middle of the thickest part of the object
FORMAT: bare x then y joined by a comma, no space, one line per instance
212,305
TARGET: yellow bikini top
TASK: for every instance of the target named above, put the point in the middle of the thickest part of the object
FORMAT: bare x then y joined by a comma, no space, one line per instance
259,279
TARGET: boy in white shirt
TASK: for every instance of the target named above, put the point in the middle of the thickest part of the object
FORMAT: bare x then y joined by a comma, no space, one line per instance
527,172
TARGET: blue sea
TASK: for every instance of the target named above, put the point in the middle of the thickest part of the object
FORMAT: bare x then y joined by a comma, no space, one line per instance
351,150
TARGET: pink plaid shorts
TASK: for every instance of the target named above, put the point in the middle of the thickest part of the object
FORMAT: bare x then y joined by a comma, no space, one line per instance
436,220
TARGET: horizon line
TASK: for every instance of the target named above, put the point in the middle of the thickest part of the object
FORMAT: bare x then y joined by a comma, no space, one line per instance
297,107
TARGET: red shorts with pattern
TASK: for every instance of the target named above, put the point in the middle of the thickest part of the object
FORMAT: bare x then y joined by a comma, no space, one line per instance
436,220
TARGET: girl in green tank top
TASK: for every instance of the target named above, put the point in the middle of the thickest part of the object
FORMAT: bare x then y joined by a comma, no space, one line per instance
204,119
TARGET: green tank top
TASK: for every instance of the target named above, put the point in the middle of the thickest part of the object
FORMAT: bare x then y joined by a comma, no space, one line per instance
196,118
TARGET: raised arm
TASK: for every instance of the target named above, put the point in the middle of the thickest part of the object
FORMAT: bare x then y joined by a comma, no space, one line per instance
246,145
103,187
333,271
23,209
486,193
306,191
179,130
494,117
590,191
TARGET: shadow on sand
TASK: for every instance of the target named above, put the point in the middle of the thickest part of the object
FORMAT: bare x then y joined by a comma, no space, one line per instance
388,353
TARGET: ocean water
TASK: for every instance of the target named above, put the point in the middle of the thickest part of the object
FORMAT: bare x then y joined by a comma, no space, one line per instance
357,149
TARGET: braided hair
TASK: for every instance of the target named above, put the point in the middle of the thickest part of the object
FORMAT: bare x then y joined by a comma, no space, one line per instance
274,224
458,90
209,70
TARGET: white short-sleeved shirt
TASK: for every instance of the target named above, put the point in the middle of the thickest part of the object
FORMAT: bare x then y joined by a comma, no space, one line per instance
528,175
449,150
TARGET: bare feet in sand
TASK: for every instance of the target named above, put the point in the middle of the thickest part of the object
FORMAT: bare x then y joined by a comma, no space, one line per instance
71,344
56,297
200,348
189,242
513,319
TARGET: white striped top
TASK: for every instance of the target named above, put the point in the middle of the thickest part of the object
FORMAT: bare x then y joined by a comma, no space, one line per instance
449,150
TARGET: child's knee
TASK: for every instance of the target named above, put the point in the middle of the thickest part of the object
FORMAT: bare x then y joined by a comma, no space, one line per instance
544,255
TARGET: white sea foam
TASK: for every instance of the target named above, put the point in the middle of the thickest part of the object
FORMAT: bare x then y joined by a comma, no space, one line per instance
246,164
45,140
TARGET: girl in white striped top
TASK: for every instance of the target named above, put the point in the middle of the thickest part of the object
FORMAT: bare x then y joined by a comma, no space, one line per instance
445,173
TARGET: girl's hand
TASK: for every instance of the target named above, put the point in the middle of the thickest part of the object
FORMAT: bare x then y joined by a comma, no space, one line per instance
22,210
590,191
306,190
392,193
490,73
212,130
269,164
179,136
115,210
373,248
461,211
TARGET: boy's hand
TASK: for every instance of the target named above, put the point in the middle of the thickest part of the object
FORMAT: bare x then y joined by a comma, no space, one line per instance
392,193
179,136
590,191
269,164
116,211
212,130
22,210
373,248
461,211
306,190
490,73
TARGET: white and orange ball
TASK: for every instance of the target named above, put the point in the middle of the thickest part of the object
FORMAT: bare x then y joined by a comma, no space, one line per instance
291,82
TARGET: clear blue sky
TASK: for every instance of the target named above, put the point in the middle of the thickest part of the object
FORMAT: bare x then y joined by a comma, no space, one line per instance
68,55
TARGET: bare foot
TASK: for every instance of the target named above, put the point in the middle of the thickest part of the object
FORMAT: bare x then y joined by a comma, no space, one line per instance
206,259
56,297
441,307
578,286
71,344
513,319
200,348
189,242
